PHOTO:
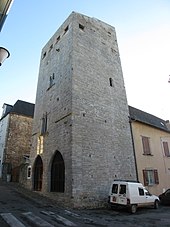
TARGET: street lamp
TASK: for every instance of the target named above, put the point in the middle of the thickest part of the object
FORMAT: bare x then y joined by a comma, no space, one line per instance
4,54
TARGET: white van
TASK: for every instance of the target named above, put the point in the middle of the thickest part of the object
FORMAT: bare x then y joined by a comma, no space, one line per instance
131,194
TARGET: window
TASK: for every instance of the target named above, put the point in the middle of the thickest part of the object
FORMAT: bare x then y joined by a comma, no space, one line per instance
122,189
66,29
111,82
150,177
81,26
44,55
141,191
44,124
51,47
146,145
166,149
58,38
51,82
115,188
28,172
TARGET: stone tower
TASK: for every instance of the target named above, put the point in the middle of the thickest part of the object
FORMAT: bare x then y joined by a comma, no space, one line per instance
81,133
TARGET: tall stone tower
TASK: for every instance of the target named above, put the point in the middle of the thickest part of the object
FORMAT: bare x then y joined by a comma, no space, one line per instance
81,133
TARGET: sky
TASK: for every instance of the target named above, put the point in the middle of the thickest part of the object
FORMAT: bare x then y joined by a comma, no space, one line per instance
143,34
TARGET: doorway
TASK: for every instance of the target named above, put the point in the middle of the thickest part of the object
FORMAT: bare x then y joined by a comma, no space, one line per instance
57,173
38,173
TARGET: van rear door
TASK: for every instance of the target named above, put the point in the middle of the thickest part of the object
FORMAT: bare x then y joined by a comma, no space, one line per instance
118,193
122,197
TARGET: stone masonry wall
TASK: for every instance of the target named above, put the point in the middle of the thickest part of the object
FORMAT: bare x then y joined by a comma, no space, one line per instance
81,90
18,142
102,148
54,99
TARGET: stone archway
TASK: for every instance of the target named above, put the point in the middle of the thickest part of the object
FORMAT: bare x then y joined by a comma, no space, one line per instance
57,173
38,173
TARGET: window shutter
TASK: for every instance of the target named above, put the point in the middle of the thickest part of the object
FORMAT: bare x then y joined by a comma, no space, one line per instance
145,177
146,145
166,149
156,176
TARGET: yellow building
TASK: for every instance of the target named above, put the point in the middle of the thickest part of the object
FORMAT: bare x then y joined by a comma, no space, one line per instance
151,139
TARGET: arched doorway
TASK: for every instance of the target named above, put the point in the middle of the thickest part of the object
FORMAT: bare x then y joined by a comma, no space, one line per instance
38,173
57,173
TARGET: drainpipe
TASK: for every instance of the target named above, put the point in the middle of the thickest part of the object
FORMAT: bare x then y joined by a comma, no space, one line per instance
133,145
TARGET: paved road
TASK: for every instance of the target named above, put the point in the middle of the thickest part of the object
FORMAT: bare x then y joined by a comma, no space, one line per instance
22,208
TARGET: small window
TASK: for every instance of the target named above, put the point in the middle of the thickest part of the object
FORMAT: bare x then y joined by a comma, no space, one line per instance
115,188
51,82
51,47
44,55
44,124
146,145
66,29
81,26
28,172
141,191
111,82
166,149
58,38
122,189
150,177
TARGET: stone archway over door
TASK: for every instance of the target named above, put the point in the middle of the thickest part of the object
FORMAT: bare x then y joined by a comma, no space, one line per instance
38,173
57,173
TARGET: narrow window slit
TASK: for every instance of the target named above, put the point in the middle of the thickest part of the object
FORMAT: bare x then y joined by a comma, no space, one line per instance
111,82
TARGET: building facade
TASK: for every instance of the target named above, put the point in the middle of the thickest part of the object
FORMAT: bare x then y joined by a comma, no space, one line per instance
151,137
81,133
15,138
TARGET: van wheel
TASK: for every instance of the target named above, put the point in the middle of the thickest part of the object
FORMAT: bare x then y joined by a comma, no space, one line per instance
156,204
133,208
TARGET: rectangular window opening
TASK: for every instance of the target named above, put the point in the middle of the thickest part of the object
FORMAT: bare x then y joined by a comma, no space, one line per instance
111,82
58,38
44,55
65,30
51,47
44,124
150,177
81,27
51,81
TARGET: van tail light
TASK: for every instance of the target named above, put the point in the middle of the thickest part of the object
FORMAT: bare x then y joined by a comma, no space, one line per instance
128,201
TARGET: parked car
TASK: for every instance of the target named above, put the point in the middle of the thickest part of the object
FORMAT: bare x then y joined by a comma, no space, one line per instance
165,197
132,195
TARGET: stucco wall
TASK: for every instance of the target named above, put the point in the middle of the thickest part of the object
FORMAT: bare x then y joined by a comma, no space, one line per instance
157,159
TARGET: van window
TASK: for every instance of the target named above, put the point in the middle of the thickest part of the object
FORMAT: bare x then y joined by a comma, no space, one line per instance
115,188
141,191
122,189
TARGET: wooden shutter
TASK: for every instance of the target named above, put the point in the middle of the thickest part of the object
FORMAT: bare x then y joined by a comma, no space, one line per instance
166,149
156,176
146,145
145,177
